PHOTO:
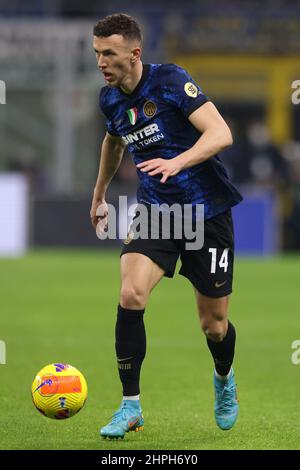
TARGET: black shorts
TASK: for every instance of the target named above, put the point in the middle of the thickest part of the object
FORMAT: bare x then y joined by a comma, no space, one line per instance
210,269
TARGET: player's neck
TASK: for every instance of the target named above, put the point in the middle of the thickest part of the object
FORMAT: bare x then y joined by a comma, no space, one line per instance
131,82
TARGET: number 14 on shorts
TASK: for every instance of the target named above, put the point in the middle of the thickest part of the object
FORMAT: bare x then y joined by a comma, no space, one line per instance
223,259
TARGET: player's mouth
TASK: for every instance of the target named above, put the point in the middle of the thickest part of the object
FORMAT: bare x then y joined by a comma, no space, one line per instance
108,76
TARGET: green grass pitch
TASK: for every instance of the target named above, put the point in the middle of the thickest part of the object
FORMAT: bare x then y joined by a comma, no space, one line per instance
60,306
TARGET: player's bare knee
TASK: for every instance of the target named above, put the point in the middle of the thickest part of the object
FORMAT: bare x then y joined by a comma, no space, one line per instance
133,297
216,336
214,330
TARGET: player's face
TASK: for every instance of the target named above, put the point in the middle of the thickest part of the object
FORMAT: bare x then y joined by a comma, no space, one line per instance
115,56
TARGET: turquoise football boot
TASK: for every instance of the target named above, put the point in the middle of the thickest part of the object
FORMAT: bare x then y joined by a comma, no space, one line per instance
128,418
226,402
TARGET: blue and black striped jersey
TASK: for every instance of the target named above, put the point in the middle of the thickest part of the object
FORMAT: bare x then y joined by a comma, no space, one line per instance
153,121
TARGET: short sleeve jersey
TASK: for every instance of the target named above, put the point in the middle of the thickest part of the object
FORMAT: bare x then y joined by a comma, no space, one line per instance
153,122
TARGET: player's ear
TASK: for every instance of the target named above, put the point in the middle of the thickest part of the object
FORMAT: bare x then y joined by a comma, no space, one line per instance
135,54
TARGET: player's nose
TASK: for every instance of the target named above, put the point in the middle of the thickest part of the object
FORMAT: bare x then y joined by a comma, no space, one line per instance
101,63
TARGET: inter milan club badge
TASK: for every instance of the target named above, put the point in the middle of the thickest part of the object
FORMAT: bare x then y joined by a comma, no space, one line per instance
149,109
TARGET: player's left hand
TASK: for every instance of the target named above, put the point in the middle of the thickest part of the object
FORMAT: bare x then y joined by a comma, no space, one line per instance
160,165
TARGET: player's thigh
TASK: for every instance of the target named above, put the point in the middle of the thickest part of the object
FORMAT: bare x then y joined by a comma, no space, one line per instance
139,275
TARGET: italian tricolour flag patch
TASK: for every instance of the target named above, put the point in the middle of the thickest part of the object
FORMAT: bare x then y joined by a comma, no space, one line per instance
132,114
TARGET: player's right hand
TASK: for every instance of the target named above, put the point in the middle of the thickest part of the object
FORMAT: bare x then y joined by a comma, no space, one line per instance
99,215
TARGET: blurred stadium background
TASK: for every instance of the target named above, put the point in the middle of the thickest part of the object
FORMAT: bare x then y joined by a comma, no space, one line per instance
245,56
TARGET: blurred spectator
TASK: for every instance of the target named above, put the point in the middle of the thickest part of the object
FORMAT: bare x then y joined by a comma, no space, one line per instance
266,164
291,214
255,159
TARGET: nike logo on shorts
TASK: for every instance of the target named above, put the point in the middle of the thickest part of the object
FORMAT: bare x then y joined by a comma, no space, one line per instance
220,284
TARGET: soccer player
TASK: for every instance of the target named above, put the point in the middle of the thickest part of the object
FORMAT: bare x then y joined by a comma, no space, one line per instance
174,133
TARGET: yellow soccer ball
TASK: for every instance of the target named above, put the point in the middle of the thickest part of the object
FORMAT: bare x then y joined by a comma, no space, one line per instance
59,391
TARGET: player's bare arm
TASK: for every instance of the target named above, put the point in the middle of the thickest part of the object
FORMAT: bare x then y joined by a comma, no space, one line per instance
216,136
112,151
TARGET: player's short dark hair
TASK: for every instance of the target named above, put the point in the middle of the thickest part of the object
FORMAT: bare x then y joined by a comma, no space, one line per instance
118,23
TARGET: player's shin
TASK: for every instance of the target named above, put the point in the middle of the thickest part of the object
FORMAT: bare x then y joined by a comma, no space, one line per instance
130,348
223,351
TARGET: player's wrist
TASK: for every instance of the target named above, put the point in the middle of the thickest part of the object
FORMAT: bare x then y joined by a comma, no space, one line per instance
183,161
99,194
189,159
